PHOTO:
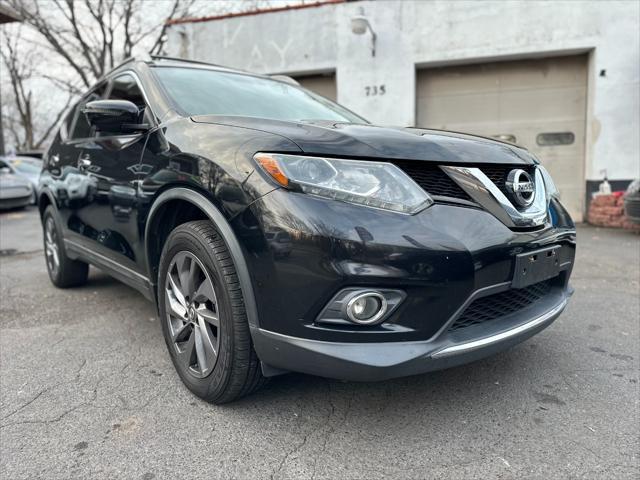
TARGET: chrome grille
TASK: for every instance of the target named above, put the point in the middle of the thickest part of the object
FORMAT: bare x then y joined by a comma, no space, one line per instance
432,179
437,183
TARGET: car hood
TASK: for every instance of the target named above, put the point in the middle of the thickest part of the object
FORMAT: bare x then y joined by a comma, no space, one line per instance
9,180
369,141
33,178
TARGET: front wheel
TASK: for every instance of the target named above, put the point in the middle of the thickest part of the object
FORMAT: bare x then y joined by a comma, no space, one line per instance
203,315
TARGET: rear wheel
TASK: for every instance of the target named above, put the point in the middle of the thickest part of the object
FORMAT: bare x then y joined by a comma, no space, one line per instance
203,315
63,271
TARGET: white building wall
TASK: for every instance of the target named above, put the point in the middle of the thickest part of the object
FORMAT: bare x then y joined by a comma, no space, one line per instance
412,34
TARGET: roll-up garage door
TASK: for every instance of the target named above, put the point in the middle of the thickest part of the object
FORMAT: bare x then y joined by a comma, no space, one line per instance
324,85
537,103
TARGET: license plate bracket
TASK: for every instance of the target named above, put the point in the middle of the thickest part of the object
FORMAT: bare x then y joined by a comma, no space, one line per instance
536,266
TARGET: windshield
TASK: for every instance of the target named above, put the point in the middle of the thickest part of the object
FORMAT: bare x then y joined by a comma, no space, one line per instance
203,92
26,167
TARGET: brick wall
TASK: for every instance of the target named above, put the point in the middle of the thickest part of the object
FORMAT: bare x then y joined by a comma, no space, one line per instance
608,211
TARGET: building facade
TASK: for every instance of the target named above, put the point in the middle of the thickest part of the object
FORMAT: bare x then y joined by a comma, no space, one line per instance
560,78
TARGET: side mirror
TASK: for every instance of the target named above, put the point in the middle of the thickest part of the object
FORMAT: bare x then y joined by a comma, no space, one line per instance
114,116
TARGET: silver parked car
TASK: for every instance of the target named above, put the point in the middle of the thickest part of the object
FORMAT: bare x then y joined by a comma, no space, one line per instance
15,191
27,167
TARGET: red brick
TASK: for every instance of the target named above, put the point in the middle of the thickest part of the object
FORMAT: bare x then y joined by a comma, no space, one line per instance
596,210
604,200
613,211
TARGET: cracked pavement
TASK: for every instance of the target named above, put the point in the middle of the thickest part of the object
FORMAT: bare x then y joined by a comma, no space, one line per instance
87,390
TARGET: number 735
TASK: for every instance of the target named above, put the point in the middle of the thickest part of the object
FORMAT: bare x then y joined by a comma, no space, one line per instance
374,90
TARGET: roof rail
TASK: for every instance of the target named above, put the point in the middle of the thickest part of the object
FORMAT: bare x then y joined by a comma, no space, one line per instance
285,79
176,59
143,57
124,62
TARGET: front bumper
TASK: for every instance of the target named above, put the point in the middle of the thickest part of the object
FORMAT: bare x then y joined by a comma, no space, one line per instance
382,361
443,259
8,203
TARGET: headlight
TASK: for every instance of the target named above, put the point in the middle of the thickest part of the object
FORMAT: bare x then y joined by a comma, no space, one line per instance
370,183
550,187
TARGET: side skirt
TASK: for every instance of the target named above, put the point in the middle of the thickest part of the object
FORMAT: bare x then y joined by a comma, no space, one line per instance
117,271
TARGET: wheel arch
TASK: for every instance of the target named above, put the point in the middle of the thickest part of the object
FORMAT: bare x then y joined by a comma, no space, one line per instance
198,202
45,198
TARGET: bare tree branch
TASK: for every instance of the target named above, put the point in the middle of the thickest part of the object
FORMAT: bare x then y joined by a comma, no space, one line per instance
54,124
28,122
84,32
64,85
180,8
82,39
18,73
51,33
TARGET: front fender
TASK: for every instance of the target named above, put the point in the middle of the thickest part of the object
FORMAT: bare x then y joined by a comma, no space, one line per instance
226,231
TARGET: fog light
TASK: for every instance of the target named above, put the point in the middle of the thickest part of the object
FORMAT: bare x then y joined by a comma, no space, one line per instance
366,308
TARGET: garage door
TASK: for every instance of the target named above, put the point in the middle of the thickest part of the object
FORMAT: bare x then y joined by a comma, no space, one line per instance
324,85
540,104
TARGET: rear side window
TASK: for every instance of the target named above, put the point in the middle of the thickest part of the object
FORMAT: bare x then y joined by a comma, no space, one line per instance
81,127
67,124
125,87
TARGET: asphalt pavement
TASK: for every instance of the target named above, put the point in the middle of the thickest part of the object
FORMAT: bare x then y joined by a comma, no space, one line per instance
87,390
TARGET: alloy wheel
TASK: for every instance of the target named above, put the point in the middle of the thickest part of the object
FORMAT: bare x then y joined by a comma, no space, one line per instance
192,314
51,246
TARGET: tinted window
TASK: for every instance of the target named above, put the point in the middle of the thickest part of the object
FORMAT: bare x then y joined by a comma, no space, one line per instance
81,128
65,128
125,87
200,92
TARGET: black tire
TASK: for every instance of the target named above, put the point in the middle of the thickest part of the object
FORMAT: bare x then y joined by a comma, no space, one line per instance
65,272
235,372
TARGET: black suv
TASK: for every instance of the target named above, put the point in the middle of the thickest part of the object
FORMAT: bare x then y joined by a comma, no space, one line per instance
277,231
